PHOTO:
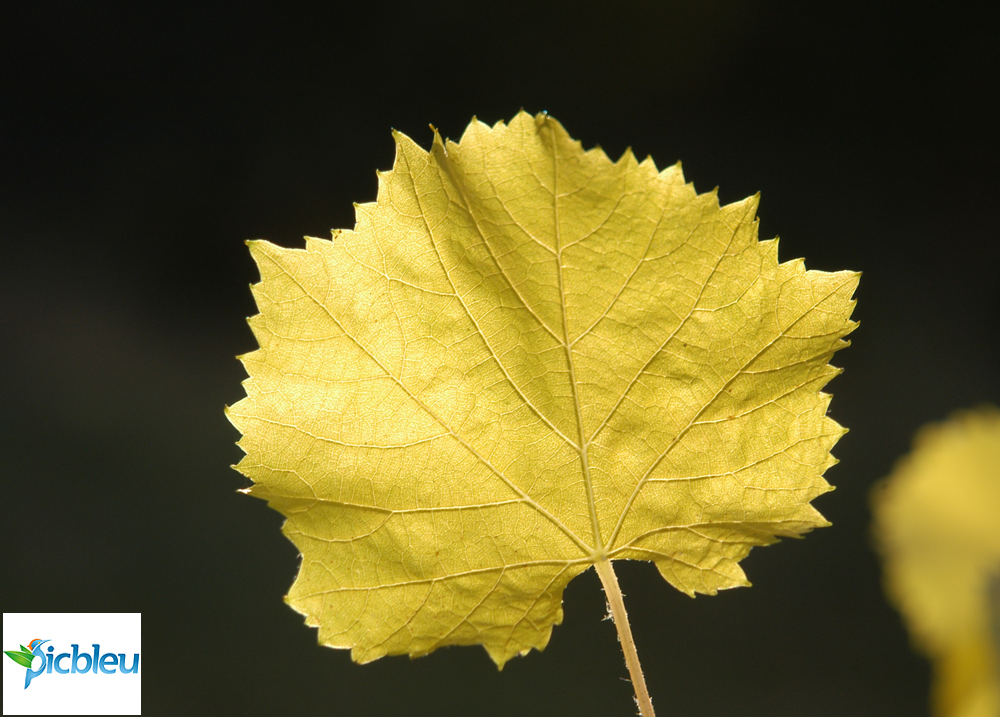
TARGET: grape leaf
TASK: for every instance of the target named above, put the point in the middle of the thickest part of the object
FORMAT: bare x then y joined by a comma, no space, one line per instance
525,359
936,520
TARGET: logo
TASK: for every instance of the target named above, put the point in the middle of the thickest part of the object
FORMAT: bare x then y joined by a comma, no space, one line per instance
108,663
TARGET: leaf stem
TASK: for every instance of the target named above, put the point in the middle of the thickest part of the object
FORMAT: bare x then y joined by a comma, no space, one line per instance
610,582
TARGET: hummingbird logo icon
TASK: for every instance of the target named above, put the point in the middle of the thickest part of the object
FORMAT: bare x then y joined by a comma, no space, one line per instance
25,655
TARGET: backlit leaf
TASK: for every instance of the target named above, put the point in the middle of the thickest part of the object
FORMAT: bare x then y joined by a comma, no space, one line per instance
938,525
526,358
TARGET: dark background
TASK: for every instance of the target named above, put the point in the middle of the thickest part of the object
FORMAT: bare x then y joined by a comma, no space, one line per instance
138,150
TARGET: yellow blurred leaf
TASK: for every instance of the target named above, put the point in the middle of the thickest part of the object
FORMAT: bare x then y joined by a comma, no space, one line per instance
525,359
937,520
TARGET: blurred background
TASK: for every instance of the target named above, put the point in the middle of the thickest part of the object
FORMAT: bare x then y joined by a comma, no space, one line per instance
140,147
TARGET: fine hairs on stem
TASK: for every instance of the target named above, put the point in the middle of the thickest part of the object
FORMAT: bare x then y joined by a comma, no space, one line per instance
616,604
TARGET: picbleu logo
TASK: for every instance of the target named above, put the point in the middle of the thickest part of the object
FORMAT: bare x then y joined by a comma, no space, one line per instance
107,663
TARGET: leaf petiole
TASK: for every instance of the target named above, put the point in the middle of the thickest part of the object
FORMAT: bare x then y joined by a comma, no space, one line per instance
610,582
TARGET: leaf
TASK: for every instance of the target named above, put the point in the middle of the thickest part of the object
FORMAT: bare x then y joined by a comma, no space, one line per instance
22,658
937,527
524,359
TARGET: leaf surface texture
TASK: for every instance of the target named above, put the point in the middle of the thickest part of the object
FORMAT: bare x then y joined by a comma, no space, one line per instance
525,358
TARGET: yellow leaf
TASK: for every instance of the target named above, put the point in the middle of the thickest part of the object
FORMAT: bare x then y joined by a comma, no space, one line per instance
524,359
937,520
